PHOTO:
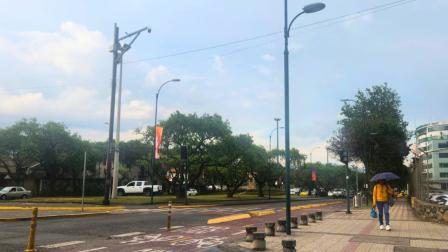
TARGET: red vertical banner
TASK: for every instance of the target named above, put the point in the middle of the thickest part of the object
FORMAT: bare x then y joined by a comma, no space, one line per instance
313,175
159,133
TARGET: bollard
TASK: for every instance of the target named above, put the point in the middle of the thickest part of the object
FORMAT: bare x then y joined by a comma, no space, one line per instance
250,230
259,243
289,245
31,238
168,221
294,223
269,228
281,225
303,220
319,216
312,218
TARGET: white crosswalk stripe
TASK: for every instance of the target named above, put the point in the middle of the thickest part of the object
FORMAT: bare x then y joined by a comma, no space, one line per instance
62,244
94,249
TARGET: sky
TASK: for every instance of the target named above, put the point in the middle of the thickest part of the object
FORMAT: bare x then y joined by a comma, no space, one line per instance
56,64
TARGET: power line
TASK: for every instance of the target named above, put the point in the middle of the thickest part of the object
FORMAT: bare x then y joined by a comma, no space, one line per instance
332,20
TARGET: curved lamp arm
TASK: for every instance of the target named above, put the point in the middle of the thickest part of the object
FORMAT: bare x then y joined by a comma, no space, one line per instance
292,21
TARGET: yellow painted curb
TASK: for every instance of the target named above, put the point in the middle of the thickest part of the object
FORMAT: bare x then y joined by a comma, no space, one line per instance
54,216
28,208
188,206
228,218
261,213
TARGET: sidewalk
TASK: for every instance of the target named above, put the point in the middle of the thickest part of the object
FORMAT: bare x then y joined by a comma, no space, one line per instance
359,232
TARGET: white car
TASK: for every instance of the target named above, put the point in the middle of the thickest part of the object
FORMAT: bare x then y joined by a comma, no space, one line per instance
293,191
192,192
139,187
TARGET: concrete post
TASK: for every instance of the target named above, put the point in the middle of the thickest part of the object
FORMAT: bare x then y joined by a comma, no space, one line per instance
269,228
259,242
319,216
250,230
289,245
312,218
294,223
281,225
303,220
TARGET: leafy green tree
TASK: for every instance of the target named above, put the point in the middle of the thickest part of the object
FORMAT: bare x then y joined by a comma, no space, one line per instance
236,156
199,134
18,144
373,131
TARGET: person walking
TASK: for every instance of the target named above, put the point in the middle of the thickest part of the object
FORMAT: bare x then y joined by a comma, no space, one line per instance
382,193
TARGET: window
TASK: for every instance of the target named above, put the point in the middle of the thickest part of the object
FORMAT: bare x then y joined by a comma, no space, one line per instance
139,183
12,189
444,186
443,145
443,155
19,189
444,174
443,165
131,184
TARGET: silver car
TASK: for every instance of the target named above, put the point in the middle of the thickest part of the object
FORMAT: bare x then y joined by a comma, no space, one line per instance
11,192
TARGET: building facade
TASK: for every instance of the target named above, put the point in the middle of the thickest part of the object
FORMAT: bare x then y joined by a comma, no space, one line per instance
432,146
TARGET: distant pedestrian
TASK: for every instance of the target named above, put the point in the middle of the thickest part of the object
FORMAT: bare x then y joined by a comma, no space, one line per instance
382,193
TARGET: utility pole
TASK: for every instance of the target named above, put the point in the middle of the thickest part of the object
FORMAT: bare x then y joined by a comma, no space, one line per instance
117,136
278,161
117,58
115,48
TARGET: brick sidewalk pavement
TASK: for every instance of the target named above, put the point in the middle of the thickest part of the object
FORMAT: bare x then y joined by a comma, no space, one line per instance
359,232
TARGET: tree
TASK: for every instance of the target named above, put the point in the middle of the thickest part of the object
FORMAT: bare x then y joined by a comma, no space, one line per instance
199,134
235,157
373,131
18,144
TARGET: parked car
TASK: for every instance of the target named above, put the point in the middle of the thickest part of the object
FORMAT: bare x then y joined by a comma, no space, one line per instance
294,191
336,193
304,193
139,187
11,192
192,192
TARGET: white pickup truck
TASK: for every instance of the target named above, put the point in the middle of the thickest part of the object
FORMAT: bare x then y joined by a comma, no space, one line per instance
139,187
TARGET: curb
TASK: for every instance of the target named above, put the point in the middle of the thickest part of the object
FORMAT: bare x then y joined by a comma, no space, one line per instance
54,216
252,214
44,208
228,218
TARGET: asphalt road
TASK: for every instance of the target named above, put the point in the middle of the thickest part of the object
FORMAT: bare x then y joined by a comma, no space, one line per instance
134,230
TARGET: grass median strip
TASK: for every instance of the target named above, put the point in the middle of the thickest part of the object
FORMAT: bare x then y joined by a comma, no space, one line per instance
55,208
73,215
228,218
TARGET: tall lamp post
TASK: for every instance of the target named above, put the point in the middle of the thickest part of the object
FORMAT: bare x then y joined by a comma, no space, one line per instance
270,138
311,8
153,160
117,52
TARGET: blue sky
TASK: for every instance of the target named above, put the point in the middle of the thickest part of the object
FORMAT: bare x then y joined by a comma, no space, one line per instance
56,65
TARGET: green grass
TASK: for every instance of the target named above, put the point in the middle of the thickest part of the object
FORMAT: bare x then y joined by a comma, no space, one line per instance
141,200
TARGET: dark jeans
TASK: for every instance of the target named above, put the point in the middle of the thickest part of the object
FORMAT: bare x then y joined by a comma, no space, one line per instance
383,207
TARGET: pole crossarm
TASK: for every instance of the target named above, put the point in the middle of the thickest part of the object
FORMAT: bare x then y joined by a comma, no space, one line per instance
290,24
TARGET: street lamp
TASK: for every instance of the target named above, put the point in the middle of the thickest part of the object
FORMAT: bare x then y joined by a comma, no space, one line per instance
311,8
270,136
153,160
117,54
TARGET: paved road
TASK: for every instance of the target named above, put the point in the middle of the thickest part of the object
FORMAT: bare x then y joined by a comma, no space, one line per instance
135,230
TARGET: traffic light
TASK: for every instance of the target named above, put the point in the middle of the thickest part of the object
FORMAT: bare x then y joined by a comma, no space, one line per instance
343,156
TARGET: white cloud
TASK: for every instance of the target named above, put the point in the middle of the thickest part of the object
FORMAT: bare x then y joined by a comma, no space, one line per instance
74,49
356,20
295,46
268,57
263,70
157,75
218,64
137,110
